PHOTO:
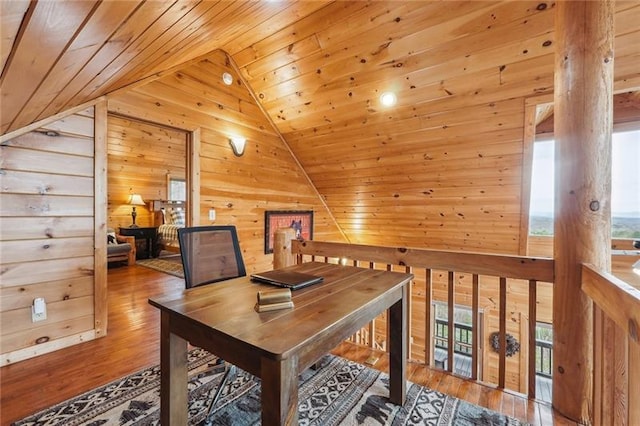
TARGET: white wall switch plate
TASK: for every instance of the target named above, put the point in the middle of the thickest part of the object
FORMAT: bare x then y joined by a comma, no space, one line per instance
38,310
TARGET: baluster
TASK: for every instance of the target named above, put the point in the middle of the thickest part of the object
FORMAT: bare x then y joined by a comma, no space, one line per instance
372,324
502,363
475,299
533,287
386,338
428,328
450,327
408,313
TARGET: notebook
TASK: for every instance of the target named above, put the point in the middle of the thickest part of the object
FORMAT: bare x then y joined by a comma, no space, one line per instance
289,279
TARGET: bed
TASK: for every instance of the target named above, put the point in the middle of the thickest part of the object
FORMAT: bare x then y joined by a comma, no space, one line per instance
168,216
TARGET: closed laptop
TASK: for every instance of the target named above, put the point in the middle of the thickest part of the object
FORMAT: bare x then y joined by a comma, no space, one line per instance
289,279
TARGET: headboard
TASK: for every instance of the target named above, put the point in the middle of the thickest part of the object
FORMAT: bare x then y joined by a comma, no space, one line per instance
157,207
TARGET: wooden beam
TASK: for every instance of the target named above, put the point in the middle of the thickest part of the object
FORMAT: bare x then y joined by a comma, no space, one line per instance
584,105
100,218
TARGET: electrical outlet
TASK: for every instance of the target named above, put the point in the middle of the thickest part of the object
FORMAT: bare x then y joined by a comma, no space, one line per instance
38,310
212,215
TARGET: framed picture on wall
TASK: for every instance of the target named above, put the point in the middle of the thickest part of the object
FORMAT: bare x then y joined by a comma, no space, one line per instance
300,220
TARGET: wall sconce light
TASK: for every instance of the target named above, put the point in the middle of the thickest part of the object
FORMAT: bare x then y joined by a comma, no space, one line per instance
227,78
135,200
237,144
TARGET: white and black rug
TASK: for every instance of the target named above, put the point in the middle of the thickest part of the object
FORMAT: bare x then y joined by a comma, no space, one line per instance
340,393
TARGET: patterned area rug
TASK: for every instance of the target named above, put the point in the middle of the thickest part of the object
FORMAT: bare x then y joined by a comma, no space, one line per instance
171,265
340,393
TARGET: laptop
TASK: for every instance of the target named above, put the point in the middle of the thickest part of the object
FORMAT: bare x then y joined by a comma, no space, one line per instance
288,279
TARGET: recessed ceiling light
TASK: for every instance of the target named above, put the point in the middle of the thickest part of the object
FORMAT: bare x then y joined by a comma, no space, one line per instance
227,79
388,99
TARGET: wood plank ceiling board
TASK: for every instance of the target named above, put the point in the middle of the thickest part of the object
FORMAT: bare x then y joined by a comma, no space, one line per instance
48,27
106,18
282,18
289,35
145,39
243,18
155,60
161,35
466,64
12,13
117,43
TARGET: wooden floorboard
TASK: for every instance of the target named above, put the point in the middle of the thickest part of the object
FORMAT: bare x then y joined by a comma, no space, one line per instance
132,343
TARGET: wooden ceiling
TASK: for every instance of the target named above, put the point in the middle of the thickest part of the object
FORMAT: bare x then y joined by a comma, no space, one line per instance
460,71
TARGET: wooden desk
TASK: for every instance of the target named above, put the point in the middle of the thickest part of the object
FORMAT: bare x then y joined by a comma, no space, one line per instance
276,346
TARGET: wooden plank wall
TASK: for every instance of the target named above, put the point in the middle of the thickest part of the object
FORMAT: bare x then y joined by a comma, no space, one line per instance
139,157
444,168
47,237
240,189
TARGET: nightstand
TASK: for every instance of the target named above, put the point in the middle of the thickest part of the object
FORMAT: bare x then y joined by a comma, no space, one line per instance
150,234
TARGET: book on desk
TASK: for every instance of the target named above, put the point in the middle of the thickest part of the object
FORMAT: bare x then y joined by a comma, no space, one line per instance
272,300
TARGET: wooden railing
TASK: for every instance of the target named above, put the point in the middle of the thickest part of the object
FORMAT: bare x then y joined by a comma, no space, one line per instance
482,275
616,344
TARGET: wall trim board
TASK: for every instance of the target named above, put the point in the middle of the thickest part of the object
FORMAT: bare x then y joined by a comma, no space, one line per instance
45,348
49,120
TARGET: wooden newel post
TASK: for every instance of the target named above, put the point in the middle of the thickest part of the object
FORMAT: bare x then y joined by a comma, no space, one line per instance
583,99
282,255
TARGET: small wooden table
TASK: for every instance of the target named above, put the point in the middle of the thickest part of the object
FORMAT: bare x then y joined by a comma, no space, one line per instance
148,233
276,346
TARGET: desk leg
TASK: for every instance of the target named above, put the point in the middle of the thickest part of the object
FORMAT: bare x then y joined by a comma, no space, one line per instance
279,392
173,376
398,350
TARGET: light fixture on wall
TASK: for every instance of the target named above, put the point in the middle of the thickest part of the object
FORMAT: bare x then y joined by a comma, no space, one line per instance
227,78
237,144
135,200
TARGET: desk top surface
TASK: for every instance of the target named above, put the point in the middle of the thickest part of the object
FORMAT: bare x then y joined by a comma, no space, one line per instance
347,294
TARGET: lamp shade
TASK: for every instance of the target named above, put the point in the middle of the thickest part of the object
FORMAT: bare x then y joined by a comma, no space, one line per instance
136,200
238,144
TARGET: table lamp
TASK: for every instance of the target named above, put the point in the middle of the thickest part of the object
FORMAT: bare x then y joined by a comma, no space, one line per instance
135,200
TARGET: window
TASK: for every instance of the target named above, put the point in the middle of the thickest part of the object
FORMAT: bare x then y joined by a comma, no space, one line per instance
625,186
177,189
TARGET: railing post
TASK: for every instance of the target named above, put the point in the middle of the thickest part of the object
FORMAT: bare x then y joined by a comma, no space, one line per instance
282,254
583,102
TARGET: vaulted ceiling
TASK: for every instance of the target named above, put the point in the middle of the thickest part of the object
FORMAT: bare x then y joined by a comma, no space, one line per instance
460,70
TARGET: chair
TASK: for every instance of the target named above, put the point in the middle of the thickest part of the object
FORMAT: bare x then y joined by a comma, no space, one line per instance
211,254
120,248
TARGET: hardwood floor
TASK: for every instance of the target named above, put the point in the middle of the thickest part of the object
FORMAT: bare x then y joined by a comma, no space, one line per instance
132,343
